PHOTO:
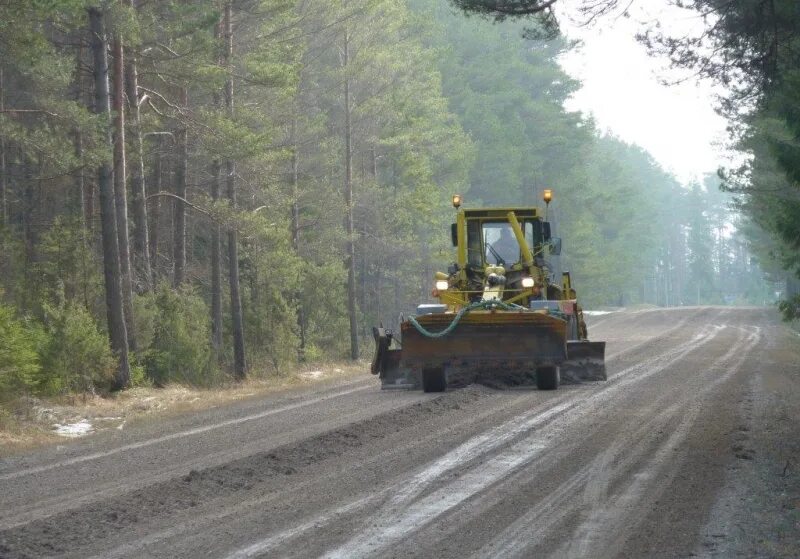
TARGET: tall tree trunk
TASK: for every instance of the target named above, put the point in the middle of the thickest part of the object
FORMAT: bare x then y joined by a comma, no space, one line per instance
301,319
216,232
3,168
80,178
239,364
88,206
362,283
121,193
80,183
111,267
28,208
350,254
216,265
179,209
155,212
141,245
3,163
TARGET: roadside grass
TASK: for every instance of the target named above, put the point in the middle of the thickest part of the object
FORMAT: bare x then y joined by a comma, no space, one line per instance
28,422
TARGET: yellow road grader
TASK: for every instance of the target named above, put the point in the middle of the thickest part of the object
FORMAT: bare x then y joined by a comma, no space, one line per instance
500,320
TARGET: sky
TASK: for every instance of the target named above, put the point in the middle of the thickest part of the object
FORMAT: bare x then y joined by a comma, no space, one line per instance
676,124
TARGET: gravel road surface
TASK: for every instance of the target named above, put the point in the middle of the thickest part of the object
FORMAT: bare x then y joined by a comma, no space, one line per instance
690,449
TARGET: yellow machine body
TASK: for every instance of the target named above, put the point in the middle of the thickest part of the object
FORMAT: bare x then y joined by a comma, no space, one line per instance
501,318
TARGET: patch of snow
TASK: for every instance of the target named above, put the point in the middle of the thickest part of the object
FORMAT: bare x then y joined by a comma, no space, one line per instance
312,374
337,370
79,429
597,313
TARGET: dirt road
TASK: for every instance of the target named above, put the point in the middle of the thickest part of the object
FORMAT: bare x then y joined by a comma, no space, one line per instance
691,448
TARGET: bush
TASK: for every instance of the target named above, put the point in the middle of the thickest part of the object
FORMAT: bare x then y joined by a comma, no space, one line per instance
76,355
180,350
790,308
19,362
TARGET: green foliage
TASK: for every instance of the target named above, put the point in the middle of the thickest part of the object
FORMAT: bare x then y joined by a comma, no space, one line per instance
19,361
324,316
75,354
67,268
499,11
508,94
146,316
180,350
13,284
271,276
790,308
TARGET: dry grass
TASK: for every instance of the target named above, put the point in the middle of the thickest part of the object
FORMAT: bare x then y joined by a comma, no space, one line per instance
29,422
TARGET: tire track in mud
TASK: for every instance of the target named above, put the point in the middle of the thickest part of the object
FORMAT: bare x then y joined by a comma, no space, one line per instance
662,334
239,508
754,511
611,520
549,512
609,516
405,513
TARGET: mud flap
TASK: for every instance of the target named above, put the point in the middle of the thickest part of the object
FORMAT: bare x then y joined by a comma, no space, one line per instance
386,361
383,339
585,362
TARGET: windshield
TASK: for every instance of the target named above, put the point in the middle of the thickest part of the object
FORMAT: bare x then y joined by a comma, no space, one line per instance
495,243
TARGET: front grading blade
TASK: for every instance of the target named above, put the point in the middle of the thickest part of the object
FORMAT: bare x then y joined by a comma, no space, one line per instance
585,362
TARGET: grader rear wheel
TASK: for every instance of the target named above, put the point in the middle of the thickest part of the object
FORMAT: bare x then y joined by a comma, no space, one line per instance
547,378
434,379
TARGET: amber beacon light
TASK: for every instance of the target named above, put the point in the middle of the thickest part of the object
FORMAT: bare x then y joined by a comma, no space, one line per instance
456,200
548,196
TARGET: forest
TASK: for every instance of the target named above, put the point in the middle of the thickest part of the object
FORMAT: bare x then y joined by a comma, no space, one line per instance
201,191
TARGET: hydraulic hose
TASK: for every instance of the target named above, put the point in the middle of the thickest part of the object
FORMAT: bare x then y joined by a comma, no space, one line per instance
486,305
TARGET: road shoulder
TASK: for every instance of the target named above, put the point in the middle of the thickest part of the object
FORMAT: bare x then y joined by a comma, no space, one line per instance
758,511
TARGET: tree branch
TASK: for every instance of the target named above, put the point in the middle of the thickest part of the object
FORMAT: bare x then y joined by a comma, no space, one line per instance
504,8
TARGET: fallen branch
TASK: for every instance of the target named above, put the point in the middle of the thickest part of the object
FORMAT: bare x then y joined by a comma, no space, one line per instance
38,111
186,202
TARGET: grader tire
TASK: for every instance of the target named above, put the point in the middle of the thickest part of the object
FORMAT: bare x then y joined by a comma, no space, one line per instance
547,378
434,380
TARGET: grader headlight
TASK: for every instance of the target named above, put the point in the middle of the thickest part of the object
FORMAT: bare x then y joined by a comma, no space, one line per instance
528,283
442,285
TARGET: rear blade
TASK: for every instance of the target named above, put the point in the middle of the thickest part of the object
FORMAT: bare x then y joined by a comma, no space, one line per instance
386,361
585,362
496,349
